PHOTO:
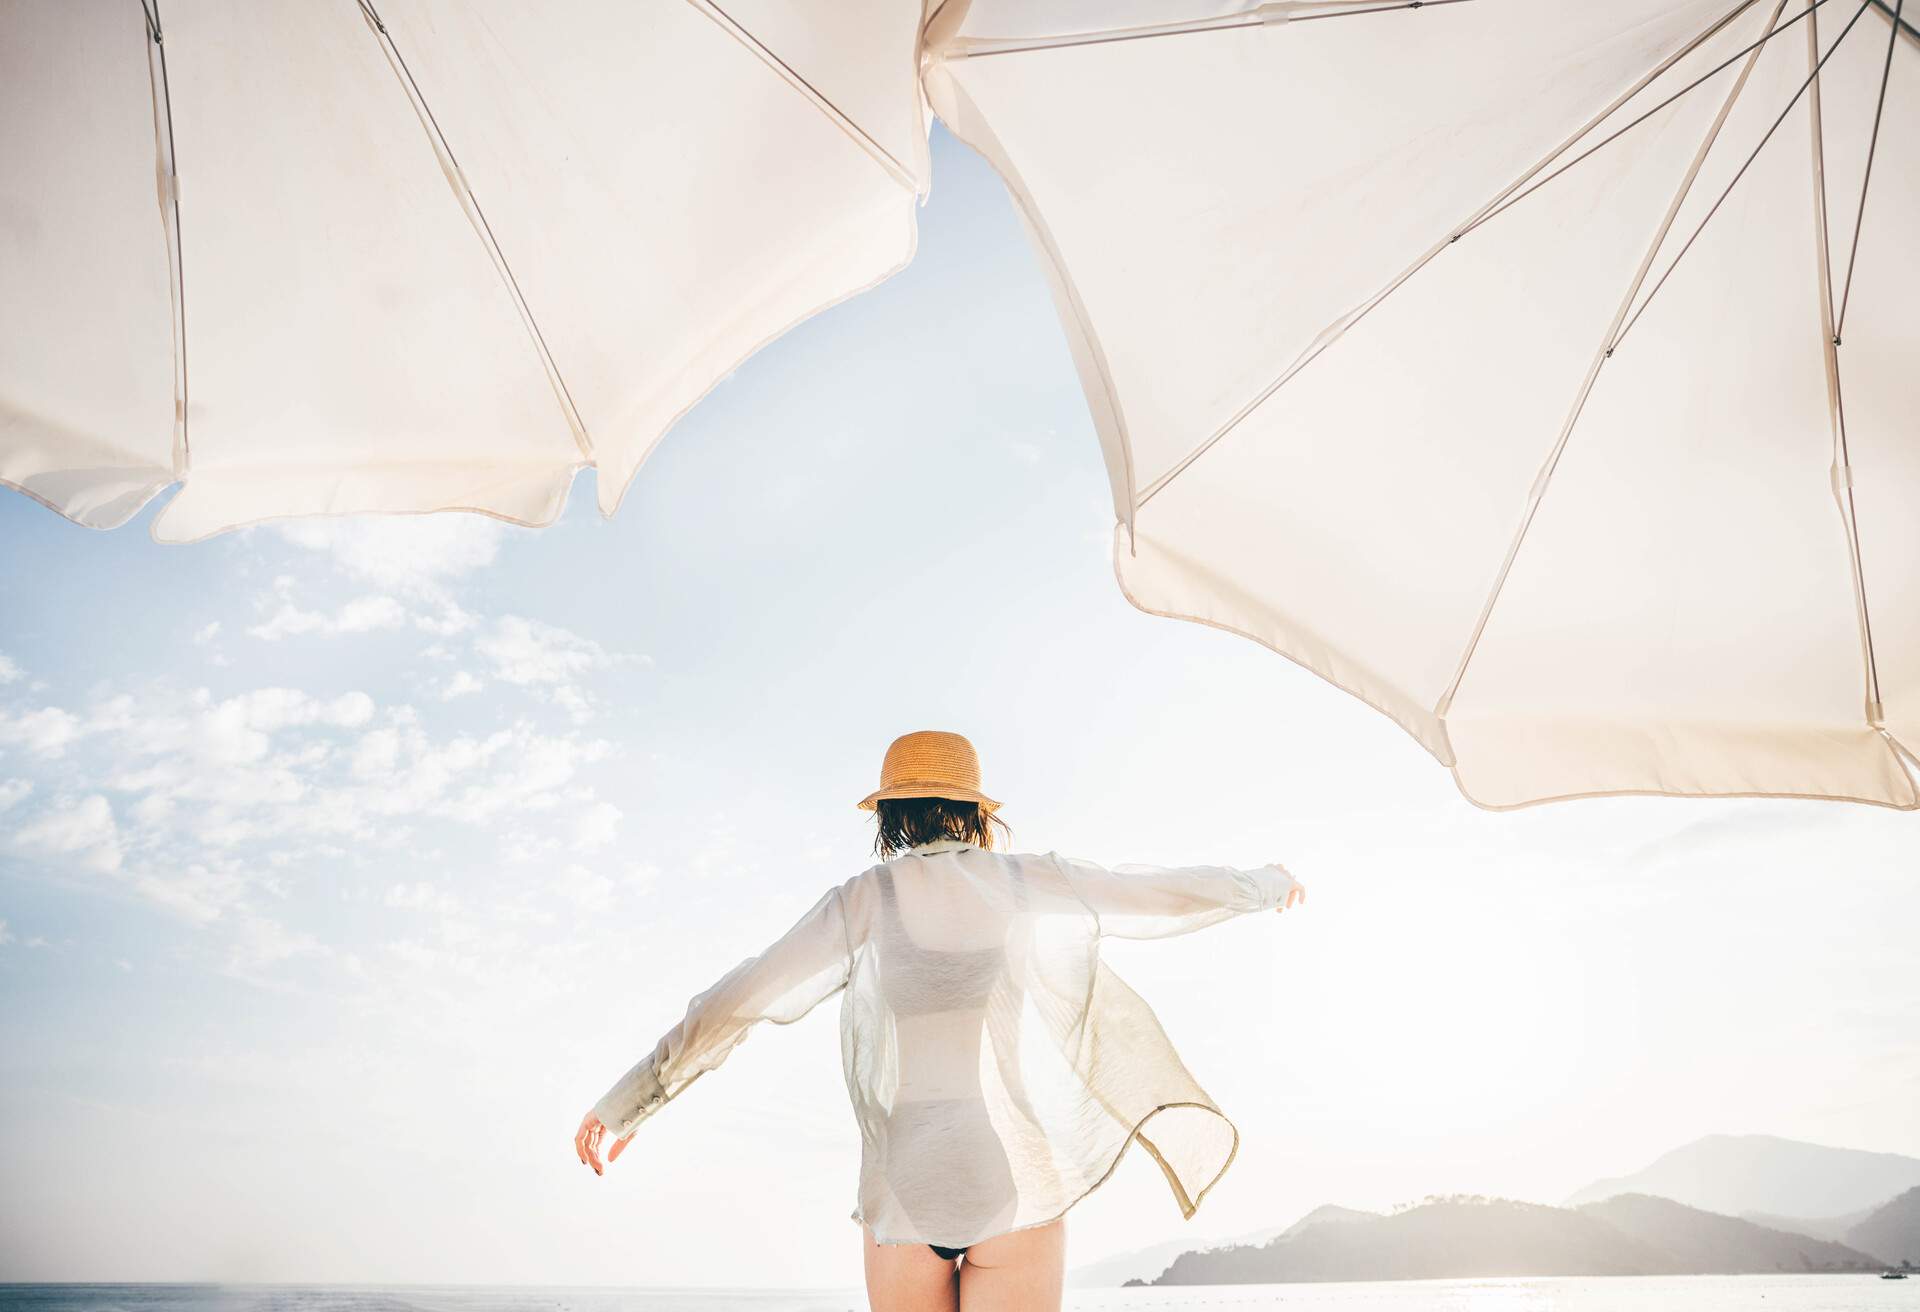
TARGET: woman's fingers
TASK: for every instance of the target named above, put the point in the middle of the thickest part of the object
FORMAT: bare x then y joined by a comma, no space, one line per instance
619,1146
586,1143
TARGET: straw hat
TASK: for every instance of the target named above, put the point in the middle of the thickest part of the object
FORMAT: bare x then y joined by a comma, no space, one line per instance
930,764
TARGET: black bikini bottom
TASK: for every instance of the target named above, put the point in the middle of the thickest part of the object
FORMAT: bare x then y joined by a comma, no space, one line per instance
948,1253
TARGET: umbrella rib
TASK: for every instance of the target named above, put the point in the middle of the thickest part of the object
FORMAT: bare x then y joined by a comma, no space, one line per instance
457,179
1615,135
1900,25
1842,471
1812,34
1873,145
165,159
1268,15
1541,481
1334,331
860,136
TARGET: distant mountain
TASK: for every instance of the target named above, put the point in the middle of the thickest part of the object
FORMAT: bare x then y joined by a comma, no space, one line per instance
1476,1237
1326,1214
1892,1233
1145,1263
1740,1174
1820,1227
1705,1243
1140,1264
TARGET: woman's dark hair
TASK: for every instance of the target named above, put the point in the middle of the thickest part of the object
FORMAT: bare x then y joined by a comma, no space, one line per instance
905,822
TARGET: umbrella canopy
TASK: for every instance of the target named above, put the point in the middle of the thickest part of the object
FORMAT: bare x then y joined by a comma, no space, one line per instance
1538,371
418,254
1544,373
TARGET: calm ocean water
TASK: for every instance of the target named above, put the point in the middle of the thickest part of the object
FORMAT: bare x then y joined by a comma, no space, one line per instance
1666,1294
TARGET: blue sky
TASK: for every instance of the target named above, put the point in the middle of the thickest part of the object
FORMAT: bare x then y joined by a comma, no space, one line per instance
343,864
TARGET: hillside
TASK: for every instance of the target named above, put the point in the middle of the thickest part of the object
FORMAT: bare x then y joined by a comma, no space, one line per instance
1740,1174
1892,1233
1137,1264
1705,1243
1326,1214
1142,1264
1441,1238
1820,1227
1473,1237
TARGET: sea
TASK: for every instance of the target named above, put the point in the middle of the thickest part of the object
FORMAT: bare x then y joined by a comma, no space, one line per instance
1782,1293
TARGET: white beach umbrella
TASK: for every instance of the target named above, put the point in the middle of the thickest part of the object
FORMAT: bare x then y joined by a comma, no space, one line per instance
1540,371
409,255
1546,373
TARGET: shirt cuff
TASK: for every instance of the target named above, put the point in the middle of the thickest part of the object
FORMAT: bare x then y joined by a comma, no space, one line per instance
631,1100
1275,884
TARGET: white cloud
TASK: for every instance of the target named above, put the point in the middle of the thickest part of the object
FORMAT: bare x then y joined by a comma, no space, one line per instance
48,731
361,615
377,754
235,731
527,652
421,896
201,891
223,810
206,634
6,935
460,685
450,621
596,826
152,811
260,942
83,829
412,554
8,670
585,889
546,659
271,709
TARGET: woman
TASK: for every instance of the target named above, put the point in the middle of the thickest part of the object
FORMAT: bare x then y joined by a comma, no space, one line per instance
998,1069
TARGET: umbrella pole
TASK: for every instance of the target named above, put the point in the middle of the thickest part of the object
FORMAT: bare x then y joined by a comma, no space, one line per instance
1841,474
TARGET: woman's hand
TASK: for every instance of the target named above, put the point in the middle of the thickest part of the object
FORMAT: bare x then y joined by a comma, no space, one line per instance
1296,894
586,1143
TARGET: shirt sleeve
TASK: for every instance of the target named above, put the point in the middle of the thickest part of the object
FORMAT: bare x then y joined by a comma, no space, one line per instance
808,964
1137,901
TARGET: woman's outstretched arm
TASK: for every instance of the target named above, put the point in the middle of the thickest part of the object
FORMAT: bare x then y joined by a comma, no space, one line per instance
1136,901
808,964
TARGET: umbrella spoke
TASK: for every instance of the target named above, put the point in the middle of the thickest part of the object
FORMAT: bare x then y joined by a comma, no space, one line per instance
1842,468
1715,209
1538,491
1267,15
1614,136
1873,143
170,214
1900,25
860,136
1335,330
457,179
